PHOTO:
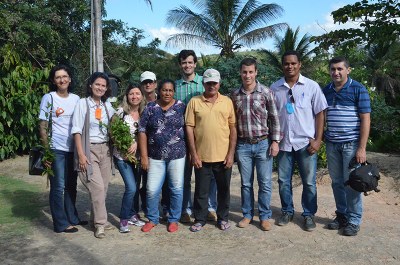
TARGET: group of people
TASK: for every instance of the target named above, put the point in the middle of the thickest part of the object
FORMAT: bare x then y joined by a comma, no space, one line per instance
187,125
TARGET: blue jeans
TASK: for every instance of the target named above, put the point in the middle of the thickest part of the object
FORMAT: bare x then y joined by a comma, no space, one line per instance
348,201
130,199
62,195
250,156
173,171
307,165
187,204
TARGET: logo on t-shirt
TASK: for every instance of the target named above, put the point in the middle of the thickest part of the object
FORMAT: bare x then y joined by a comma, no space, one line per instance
59,111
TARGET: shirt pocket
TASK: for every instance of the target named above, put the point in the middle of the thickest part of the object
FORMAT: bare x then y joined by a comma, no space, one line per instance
304,102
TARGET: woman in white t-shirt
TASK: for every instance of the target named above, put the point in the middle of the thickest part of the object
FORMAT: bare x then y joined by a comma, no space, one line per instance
60,104
131,107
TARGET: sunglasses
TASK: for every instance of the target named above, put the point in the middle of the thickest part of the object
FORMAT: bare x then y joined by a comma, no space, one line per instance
291,95
147,81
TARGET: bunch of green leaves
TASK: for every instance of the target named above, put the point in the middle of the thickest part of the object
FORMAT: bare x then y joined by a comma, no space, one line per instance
47,148
122,138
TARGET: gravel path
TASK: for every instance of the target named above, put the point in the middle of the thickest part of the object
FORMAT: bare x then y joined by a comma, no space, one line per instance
377,242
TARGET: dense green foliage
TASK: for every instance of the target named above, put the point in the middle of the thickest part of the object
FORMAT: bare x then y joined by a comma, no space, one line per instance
38,34
21,89
378,21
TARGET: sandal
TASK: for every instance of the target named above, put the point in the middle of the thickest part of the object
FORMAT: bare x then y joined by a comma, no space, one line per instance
223,225
196,227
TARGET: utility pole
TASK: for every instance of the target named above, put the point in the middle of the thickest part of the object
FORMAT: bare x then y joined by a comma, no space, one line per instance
96,38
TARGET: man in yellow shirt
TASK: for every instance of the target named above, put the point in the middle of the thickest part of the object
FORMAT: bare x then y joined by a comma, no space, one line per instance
211,134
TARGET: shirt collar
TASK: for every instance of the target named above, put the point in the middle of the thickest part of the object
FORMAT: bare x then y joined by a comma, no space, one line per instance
282,83
345,86
196,79
257,88
93,104
217,100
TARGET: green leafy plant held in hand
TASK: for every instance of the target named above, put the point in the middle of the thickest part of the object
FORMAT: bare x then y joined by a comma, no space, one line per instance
122,138
48,153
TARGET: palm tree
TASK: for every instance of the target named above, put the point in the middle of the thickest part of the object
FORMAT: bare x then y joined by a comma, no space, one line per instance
224,24
289,42
384,61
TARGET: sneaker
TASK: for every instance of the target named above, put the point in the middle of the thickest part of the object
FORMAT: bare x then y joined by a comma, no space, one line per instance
284,219
124,226
172,227
148,226
265,225
212,216
244,222
135,220
339,222
309,224
99,233
351,229
185,218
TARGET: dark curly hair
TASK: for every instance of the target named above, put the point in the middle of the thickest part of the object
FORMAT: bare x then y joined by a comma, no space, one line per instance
93,78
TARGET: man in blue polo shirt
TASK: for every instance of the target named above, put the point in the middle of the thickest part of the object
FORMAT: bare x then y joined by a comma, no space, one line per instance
346,136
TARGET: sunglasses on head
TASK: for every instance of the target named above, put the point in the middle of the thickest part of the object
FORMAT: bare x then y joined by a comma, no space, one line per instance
291,97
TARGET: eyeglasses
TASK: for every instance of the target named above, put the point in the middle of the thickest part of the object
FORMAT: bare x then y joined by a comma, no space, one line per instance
64,77
291,97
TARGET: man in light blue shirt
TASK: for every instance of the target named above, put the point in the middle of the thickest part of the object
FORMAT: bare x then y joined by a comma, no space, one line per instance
301,104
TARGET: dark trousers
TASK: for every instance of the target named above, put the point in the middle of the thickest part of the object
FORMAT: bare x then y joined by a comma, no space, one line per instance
203,177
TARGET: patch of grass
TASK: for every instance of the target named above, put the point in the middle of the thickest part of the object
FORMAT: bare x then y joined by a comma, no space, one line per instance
20,206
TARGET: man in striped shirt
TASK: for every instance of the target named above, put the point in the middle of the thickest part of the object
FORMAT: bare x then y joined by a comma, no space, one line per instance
257,143
346,136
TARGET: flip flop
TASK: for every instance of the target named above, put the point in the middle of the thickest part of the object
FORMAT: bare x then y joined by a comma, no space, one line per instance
196,227
223,225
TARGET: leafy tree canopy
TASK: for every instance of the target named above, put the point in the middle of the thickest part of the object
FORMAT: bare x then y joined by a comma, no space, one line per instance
378,21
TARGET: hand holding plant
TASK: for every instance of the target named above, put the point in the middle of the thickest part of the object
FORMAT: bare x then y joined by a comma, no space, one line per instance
122,139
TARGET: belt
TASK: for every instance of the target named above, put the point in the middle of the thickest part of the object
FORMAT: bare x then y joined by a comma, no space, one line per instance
254,140
99,143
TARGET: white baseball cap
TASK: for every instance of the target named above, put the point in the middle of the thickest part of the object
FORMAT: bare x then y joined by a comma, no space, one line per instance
211,75
147,76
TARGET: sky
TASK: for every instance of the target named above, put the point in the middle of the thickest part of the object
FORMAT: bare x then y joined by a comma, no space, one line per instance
313,17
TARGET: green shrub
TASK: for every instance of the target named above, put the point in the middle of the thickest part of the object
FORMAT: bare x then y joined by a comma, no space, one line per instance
21,89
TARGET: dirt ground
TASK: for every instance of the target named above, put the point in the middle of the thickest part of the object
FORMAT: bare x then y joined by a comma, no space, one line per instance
377,242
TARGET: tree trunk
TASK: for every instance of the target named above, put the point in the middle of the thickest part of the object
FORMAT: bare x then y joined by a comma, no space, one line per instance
96,40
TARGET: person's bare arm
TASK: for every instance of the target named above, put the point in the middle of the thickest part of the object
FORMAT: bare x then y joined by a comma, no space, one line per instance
229,159
361,154
196,162
315,144
144,155
83,160
43,125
